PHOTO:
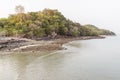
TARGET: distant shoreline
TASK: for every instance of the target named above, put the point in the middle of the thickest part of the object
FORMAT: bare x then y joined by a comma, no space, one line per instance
10,45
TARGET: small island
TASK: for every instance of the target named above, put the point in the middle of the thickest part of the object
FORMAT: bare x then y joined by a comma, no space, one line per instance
43,31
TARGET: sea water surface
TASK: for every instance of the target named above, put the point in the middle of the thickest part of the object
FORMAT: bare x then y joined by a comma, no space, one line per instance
96,59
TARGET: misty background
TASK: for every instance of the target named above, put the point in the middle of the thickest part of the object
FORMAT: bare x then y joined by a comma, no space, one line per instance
101,13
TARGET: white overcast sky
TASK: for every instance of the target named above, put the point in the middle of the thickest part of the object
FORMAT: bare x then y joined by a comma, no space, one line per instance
102,13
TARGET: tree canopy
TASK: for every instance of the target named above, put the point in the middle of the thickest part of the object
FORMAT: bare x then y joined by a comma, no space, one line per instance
46,23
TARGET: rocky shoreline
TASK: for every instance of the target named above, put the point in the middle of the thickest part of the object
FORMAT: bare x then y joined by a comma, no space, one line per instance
22,45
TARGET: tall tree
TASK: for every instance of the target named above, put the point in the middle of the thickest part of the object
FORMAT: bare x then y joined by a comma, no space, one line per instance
19,9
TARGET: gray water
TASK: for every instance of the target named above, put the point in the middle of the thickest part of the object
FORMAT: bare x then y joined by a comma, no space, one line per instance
97,59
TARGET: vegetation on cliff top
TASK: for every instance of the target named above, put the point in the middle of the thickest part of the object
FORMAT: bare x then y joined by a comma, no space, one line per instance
46,23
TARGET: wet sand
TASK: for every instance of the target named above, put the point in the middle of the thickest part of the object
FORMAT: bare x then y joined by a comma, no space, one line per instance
10,45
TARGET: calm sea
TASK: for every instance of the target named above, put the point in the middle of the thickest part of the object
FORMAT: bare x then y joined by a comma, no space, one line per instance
96,59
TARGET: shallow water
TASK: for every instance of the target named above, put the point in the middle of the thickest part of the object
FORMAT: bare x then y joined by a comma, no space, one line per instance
97,59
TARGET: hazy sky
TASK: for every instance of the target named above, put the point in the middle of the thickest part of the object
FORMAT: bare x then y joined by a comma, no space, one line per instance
102,13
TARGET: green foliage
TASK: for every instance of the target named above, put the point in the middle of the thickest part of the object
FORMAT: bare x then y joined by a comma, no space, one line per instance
44,23
91,30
